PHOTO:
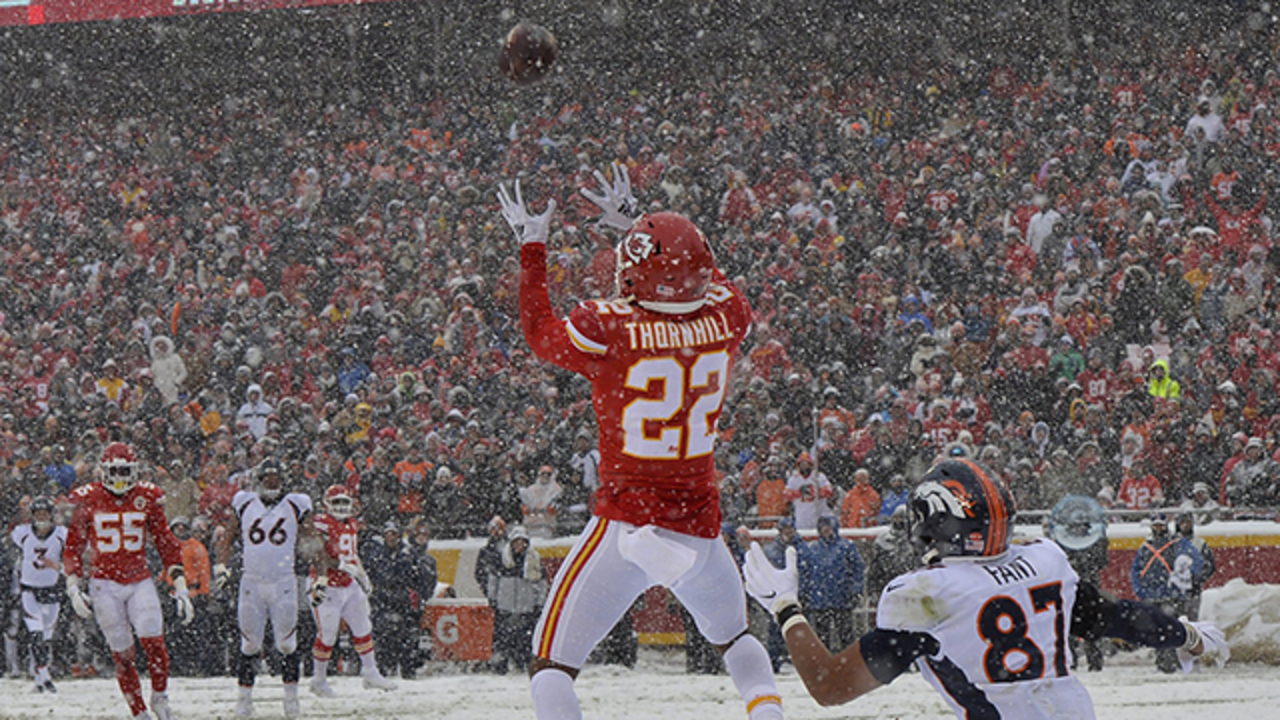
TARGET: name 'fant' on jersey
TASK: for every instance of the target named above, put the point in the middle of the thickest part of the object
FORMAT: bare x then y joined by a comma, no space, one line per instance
1001,625
269,533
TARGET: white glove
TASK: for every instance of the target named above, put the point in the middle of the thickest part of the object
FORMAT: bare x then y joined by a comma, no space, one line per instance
528,228
358,574
221,576
773,588
79,602
186,611
319,589
616,203
1215,643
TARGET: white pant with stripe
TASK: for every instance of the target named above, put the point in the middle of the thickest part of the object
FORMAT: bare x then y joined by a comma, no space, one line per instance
122,610
596,584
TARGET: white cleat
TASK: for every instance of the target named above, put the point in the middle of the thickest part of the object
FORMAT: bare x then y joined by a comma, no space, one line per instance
160,706
244,707
321,688
291,707
377,682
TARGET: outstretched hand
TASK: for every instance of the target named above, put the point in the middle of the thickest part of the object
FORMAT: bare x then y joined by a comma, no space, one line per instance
774,588
617,204
528,228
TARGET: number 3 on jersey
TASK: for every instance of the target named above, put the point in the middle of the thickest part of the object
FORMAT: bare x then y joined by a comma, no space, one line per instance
705,381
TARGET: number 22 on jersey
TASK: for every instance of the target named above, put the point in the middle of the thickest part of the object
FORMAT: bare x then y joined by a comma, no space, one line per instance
700,389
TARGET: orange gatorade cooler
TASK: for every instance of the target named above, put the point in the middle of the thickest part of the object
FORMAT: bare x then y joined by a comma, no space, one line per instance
461,629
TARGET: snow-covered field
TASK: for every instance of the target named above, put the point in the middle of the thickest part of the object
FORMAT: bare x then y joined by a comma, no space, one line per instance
1130,688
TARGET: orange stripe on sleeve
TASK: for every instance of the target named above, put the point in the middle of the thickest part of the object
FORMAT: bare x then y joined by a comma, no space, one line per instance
562,592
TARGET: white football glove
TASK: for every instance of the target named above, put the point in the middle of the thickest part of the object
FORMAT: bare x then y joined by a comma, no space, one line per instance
773,588
617,204
79,601
319,590
528,228
182,598
1215,644
358,574
221,576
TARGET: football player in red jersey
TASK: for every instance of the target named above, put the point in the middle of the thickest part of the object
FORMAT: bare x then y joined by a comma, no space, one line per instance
340,593
112,519
658,357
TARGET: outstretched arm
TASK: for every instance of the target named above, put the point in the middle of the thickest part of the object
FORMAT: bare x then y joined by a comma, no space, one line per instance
876,659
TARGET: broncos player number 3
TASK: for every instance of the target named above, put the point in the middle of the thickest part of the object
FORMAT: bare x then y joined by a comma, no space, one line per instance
704,381
1011,653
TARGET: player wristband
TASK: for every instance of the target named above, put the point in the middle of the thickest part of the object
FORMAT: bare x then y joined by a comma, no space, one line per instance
790,616
1193,635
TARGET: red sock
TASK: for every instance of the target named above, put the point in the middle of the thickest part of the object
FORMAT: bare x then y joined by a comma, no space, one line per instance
157,661
127,676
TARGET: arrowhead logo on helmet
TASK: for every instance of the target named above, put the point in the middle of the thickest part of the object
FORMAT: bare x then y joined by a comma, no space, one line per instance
665,264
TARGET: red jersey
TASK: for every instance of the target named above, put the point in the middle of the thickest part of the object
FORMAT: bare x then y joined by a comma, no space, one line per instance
658,383
340,542
115,528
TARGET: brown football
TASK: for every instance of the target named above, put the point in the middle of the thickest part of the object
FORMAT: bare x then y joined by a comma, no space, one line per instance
527,54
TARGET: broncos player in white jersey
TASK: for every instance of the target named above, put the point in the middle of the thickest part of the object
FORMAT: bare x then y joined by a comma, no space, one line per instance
274,527
41,542
986,622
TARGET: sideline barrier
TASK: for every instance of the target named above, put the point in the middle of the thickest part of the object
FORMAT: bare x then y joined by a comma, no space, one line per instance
1249,550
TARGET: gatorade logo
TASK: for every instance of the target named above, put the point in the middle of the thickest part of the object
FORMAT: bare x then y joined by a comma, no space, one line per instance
447,629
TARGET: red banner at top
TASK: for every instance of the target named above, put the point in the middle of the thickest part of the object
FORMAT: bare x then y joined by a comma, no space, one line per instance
39,12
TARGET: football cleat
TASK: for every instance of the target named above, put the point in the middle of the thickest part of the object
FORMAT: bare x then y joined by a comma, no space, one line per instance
376,681
160,706
291,707
49,688
244,707
321,688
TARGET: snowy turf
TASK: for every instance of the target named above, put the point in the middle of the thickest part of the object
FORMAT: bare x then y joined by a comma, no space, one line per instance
1130,688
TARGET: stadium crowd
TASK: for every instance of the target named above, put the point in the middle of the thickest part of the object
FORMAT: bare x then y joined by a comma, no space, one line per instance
1065,270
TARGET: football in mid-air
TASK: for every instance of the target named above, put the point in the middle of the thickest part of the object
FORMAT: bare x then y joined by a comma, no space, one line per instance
527,54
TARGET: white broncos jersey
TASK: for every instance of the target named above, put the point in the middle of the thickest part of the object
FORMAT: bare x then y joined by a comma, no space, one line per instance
34,549
1002,626
269,533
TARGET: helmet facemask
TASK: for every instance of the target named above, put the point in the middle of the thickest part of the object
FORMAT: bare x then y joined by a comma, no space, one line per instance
118,477
340,507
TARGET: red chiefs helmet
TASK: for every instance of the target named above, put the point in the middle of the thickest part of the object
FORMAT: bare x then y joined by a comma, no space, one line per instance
338,502
665,264
118,463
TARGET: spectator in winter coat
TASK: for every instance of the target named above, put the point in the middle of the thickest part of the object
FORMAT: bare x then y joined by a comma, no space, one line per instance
520,593
1186,524
1201,504
810,493
254,411
168,369
894,497
861,504
1161,385
831,576
1253,480
1163,573
894,554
